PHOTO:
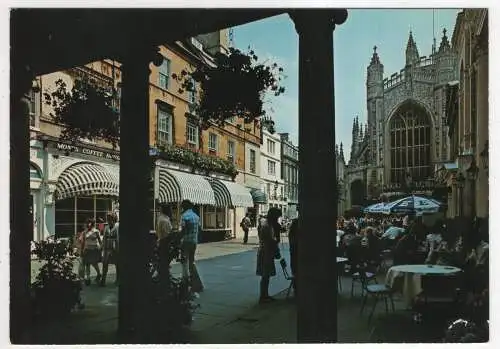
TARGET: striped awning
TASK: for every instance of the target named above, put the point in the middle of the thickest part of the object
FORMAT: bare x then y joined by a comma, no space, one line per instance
258,196
230,194
85,179
175,186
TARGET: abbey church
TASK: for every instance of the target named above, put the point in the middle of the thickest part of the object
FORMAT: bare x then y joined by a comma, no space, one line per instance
405,136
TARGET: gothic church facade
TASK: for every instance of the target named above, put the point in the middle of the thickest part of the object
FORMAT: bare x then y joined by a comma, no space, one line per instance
405,136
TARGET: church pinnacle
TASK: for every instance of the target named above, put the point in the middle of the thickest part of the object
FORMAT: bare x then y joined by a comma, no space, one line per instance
412,54
375,58
445,44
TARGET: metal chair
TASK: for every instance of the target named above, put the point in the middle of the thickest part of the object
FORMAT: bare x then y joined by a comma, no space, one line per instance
377,291
288,277
357,277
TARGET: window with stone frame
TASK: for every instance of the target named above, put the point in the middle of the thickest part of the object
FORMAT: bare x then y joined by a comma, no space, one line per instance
192,136
212,143
192,93
33,109
231,151
253,161
271,167
164,125
410,145
164,74
271,147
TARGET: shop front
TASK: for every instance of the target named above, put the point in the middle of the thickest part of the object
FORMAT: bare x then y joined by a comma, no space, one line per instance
215,199
83,183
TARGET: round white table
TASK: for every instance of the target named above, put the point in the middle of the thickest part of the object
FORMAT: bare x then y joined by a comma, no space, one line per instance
342,259
411,276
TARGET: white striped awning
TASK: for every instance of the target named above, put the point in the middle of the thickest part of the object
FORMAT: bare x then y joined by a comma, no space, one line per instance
230,194
85,179
175,186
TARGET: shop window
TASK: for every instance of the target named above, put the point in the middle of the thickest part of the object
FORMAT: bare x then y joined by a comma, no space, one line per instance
71,214
214,217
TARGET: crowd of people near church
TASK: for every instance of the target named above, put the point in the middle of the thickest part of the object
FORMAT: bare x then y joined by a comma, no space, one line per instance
407,239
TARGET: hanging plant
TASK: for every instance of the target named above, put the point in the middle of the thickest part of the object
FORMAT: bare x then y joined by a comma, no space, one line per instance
235,86
86,112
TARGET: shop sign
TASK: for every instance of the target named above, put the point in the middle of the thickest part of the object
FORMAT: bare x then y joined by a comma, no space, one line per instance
87,151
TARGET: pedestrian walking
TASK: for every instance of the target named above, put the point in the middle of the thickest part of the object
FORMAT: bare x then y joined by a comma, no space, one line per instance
245,225
79,245
269,231
189,228
91,251
163,232
294,254
110,247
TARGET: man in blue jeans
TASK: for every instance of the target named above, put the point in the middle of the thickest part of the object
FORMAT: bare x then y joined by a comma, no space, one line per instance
189,228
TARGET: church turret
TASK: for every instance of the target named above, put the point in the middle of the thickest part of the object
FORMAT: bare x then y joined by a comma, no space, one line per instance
445,61
412,55
445,44
375,76
354,142
341,152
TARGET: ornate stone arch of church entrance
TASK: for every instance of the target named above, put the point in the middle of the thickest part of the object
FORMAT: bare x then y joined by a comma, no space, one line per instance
409,146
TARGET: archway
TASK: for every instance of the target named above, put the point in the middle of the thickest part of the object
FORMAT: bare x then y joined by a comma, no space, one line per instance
358,194
410,144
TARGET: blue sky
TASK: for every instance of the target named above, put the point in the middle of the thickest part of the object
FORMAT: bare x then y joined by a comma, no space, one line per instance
276,39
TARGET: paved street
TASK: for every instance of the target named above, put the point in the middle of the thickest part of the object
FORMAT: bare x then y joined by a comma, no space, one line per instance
231,287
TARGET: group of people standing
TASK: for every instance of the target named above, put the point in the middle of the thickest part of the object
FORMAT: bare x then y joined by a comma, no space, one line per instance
98,244
186,235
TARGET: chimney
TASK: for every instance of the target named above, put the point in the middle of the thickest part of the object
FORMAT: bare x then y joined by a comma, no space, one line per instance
284,137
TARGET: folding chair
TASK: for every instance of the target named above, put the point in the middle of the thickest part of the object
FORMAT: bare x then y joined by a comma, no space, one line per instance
288,277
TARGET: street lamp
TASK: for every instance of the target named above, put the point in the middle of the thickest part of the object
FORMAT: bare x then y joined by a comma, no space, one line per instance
276,190
472,171
460,184
484,156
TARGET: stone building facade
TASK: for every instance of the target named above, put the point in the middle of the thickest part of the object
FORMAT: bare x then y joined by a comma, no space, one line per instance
290,175
466,176
272,182
405,137
93,166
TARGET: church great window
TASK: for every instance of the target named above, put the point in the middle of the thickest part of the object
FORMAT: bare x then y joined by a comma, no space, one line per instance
410,137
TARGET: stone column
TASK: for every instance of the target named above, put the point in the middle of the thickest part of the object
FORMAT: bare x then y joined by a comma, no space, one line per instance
21,228
135,172
317,276
482,188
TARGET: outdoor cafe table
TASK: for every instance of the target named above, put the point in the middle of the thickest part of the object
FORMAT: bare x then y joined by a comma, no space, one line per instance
411,276
341,259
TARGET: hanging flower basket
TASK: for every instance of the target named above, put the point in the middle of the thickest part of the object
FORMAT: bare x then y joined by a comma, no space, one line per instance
86,112
235,86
